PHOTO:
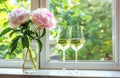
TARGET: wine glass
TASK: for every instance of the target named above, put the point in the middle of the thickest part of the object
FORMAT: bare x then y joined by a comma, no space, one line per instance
77,40
63,39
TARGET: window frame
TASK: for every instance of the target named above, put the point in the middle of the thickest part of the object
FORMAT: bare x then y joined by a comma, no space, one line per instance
110,65
18,63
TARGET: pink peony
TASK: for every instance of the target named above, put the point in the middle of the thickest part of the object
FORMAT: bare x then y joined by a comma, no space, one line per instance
43,18
18,17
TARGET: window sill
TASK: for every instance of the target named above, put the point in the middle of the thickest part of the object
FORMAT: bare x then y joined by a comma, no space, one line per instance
14,73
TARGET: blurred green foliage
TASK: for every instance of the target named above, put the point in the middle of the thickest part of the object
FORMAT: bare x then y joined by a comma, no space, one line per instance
5,7
95,16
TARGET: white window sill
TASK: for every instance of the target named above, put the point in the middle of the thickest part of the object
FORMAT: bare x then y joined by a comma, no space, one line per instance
59,73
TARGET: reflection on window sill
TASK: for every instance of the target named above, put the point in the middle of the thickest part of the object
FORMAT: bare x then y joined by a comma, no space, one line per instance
61,73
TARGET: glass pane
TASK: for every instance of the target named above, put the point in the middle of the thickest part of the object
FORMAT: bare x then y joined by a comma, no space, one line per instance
5,7
95,18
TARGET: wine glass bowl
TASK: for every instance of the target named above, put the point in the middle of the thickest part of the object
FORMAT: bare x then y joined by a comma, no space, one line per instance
77,44
63,38
63,44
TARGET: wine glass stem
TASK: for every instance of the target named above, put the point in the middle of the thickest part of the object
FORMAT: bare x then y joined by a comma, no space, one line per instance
63,59
76,58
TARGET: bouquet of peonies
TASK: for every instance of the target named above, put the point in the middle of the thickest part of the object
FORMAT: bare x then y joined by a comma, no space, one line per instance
21,23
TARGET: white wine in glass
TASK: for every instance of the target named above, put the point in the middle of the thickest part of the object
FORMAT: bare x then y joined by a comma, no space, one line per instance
63,40
76,44
63,44
77,40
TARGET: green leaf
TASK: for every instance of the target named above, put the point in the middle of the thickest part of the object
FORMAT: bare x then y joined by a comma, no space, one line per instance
3,47
3,10
39,44
31,36
64,23
5,23
2,1
36,34
5,31
88,18
30,21
14,43
27,32
43,33
15,39
25,42
14,31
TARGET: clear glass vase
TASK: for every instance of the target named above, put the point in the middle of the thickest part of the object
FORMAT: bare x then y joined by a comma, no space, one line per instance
31,58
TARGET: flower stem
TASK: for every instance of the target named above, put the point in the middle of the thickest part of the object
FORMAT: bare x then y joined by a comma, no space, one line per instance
36,29
23,66
31,59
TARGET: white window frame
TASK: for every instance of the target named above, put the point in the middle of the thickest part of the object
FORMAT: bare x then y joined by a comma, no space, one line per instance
18,63
105,65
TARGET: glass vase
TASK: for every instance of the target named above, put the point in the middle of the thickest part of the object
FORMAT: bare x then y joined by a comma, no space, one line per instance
31,58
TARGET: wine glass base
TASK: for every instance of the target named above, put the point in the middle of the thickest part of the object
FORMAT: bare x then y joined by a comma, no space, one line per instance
63,69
